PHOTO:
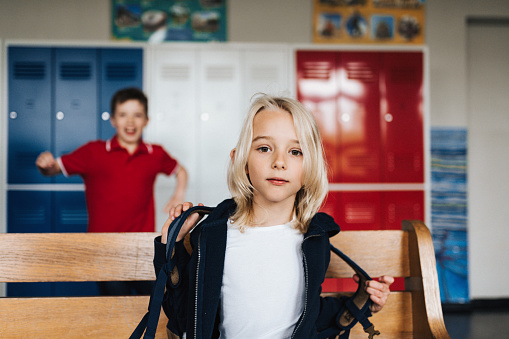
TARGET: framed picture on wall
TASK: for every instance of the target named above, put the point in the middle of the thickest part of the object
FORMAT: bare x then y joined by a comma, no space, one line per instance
158,21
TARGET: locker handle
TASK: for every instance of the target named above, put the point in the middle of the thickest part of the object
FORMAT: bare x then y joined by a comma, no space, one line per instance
105,116
60,115
13,115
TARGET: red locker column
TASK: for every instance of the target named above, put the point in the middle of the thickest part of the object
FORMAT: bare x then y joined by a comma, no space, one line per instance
358,101
317,89
401,89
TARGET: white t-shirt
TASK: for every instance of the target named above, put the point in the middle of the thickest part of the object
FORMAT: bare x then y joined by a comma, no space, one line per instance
263,282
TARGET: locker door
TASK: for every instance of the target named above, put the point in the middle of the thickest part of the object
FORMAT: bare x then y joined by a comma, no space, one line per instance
266,71
398,206
75,101
359,149
29,211
173,122
221,115
29,96
402,116
359,210
119,68
317,89
70,212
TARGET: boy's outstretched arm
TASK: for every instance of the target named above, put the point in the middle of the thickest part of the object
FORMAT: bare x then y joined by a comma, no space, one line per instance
180,190
378,290
47,164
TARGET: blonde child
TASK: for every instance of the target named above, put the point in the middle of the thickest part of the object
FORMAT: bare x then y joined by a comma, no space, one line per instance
259,259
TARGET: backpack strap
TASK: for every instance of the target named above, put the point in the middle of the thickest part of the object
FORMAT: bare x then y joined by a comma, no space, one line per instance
356,308
148,323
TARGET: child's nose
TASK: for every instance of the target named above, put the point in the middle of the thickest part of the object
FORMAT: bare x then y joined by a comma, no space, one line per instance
279,161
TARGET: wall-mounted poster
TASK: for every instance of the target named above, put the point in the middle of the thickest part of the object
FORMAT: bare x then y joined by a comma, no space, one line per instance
169,20
449,211
369,21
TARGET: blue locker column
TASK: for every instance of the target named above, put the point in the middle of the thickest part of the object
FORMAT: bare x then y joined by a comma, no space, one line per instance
29,97
75,101
119,68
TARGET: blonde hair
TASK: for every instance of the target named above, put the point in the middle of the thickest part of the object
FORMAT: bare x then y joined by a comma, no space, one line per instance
315,185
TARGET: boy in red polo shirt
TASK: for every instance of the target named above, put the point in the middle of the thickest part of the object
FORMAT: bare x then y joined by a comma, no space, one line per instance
119,173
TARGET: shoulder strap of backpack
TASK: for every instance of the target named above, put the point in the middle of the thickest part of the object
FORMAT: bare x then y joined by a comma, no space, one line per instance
148,324
356,308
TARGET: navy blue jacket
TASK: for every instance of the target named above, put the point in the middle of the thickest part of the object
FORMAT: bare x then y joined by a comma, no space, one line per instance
192,304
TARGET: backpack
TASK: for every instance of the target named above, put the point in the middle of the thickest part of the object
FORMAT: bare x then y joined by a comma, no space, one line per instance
355,309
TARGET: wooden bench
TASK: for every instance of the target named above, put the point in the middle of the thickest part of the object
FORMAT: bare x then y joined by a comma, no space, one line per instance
412,313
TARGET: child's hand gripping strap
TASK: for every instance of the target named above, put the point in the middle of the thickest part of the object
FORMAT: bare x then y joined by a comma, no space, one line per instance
149,322
356,308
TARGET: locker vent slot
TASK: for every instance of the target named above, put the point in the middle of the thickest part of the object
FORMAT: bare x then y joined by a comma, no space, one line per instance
264,73
320,70
75,71
126,71
404,75
360,71
360,213
73,217
362,161
29,70
406,162
220,73
175,72
35,216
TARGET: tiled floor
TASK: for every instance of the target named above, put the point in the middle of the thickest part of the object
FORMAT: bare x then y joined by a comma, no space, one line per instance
477,324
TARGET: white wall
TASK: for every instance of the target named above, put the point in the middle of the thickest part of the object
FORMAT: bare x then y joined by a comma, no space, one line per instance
286,21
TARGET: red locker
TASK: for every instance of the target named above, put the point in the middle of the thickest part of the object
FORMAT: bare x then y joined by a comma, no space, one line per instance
401,205
401,115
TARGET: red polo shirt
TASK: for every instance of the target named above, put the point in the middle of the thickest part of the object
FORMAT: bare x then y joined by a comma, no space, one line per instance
119,187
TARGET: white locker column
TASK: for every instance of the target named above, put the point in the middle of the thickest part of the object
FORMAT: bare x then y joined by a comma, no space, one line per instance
221,116
173,96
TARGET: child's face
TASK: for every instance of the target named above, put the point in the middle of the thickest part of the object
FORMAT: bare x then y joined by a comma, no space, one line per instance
275,161
129,120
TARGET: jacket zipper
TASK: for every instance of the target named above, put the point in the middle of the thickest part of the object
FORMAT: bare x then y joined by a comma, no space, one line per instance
196,288
307,284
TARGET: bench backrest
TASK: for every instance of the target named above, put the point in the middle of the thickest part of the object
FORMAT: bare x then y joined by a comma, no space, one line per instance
414,312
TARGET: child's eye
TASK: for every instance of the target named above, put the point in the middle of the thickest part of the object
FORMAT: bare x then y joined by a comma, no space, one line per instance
296,152
263,149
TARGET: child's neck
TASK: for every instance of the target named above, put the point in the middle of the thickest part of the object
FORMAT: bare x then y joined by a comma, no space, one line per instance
272,215
130,147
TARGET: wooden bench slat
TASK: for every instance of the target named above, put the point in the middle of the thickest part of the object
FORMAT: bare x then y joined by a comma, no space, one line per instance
78,317
43,257
377,252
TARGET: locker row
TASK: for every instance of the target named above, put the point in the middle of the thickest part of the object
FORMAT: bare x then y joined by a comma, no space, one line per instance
369,105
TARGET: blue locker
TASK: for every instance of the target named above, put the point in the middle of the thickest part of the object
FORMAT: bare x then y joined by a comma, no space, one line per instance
75,96
29,211
29,96
70,212
119,68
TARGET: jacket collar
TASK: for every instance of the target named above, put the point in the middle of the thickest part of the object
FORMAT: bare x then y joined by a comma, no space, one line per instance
320,224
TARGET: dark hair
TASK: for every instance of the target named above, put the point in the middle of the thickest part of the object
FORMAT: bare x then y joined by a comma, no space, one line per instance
131,93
